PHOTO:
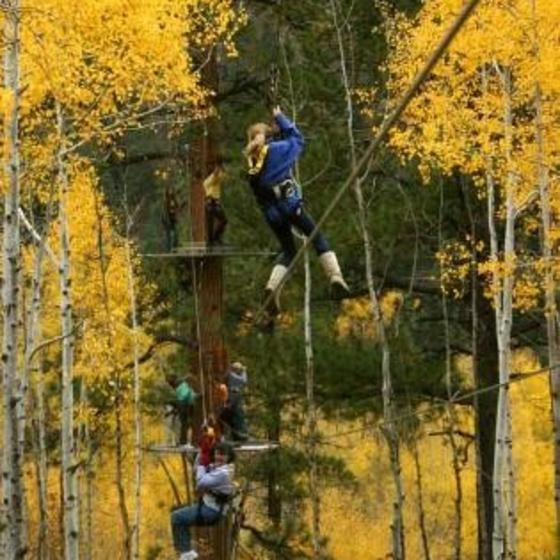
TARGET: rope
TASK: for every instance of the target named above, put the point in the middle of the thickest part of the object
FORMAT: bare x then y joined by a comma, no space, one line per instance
198,337
446,402
274,71
376,142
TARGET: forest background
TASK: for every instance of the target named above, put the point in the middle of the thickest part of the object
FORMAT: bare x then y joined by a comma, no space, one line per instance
453,222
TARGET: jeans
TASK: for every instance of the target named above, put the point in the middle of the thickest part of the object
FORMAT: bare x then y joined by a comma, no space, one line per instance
232,417
284,214
184,412
216,220
197,515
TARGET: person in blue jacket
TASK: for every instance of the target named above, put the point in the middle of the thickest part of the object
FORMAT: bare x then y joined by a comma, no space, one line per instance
271,161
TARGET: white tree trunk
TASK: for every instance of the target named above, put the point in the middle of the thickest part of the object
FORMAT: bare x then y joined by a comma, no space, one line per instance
12,491
511,498
33,338
69,467
40,449
135,544
503,302
312,433
389,429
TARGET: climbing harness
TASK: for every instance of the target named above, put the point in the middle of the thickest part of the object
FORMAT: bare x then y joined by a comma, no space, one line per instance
285,189
256,163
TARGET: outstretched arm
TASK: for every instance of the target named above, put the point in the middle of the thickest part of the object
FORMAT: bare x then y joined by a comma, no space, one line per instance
286,126
292,140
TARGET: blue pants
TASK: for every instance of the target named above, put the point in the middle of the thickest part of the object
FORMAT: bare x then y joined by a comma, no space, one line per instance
281,216
189,516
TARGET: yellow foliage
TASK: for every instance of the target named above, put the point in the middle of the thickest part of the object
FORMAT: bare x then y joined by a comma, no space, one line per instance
366,514
457,121
356,317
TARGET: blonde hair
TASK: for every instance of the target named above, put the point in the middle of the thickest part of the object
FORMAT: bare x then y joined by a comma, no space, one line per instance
252,132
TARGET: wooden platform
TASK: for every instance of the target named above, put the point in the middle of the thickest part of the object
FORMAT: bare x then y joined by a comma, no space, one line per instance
201,250
240,447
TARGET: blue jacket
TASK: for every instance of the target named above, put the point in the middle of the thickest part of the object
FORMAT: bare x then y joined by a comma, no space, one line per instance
282,154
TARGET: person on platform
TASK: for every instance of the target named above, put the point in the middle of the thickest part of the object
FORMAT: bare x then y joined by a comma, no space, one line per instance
182,404
216,219
233,414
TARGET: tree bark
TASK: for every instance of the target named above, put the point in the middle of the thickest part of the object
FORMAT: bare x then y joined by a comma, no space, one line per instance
390,431
12,490
420,500
33,337
69,466
451,416
135,545
312,433
503,305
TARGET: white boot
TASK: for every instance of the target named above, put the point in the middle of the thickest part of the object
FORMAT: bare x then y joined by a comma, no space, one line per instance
276,276
190,555
330,265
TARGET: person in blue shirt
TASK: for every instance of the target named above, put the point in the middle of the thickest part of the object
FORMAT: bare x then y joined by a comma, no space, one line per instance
271,161
233,414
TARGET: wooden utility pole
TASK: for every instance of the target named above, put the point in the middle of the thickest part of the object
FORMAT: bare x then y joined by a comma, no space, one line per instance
209,359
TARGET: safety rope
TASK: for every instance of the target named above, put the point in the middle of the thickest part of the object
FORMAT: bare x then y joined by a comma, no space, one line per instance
393,118
274,71
519,378
201,370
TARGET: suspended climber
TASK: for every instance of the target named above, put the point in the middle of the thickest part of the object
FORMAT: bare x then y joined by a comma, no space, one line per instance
271,161
215,489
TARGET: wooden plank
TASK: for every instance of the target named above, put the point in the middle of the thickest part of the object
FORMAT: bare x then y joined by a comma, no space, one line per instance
243,448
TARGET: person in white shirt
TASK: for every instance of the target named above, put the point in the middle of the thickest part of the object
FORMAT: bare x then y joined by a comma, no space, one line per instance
215,488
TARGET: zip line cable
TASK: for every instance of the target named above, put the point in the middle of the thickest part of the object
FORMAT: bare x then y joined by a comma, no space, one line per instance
446,402
375,143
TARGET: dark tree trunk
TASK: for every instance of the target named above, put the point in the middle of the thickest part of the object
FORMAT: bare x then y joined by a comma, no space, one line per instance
486,374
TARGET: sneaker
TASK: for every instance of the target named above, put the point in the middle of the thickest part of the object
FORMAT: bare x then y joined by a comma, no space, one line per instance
190,555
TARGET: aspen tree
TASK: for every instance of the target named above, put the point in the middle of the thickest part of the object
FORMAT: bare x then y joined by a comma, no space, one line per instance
312,412
312,432
389,429
460,121
33,345
12,499
135,548
69,467
92,57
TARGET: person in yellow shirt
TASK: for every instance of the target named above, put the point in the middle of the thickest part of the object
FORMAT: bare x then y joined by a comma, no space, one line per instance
216,219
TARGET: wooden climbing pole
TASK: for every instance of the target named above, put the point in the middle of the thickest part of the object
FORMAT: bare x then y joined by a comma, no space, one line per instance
209,359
